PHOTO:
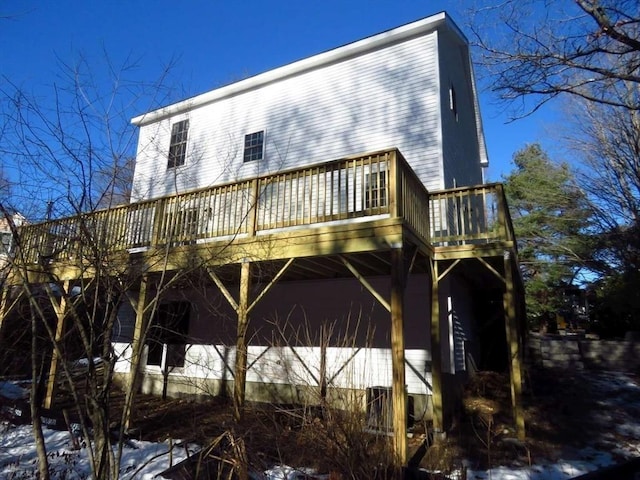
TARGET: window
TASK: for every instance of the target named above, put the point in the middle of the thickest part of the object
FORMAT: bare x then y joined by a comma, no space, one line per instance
254,146
375,193
168,335
453,104
178,146
5,242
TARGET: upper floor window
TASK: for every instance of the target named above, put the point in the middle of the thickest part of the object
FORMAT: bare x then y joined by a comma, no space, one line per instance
254,146
453,102
5,242
178,145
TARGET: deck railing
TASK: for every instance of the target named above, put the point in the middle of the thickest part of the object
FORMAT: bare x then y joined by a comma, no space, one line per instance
373,185
376,185
470,216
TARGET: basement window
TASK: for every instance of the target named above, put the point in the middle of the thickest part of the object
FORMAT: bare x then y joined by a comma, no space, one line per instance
254,146
178,145
168,335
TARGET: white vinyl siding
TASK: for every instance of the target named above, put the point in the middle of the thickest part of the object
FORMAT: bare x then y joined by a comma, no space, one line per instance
461,135
384,98
348,368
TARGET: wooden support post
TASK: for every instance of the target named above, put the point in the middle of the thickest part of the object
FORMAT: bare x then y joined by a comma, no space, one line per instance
252,215
268,287
399,393
363,281
60,311
137,344
436,353
394,186
240,376
511,325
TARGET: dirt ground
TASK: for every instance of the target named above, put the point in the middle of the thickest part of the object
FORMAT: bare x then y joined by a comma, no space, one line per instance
563,411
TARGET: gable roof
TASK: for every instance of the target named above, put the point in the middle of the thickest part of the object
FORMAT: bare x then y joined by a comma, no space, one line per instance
360,47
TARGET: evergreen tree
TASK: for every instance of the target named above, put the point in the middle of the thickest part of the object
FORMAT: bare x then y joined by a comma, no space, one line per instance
550,218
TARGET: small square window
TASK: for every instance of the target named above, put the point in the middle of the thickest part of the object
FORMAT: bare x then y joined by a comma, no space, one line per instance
178,145
254,146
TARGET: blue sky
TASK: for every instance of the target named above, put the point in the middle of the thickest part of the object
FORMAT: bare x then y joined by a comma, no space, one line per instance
216,42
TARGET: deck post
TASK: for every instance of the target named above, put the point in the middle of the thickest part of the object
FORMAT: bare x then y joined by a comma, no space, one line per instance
137,345
60,311
511,325
397,356
395,188
138,334
252,215
436,354
158,221
240,377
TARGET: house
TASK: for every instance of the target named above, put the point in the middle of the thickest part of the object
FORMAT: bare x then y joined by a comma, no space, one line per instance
6,238
335,216
411,88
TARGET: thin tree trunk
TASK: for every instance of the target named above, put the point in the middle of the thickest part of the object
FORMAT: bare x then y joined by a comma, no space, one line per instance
99,419
35,402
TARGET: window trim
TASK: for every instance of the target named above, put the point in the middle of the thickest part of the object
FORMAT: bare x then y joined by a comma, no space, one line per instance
6,243
453,101
250,150
169,330
178,140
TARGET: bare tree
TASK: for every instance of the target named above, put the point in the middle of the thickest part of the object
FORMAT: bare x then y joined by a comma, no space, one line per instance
79,148
5,187
543,49
78,268
607,141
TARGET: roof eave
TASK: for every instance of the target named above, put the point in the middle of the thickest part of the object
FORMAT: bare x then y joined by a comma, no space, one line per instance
359,47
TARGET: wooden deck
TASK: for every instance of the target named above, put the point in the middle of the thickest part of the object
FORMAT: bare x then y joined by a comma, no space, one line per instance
359,204
359,216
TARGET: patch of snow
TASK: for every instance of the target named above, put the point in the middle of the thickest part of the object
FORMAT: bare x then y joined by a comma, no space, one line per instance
284,472
561,470
146,460
84,362
140,460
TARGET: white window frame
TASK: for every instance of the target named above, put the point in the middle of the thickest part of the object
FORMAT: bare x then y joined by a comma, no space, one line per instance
178,160
245,147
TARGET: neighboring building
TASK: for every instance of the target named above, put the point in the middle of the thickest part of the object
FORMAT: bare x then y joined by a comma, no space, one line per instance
241,186
6,238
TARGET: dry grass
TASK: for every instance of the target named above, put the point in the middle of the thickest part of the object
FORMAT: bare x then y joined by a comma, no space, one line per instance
558,406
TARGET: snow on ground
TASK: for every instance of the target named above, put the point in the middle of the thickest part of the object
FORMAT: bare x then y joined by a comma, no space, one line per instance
585,460
617,395
140,460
